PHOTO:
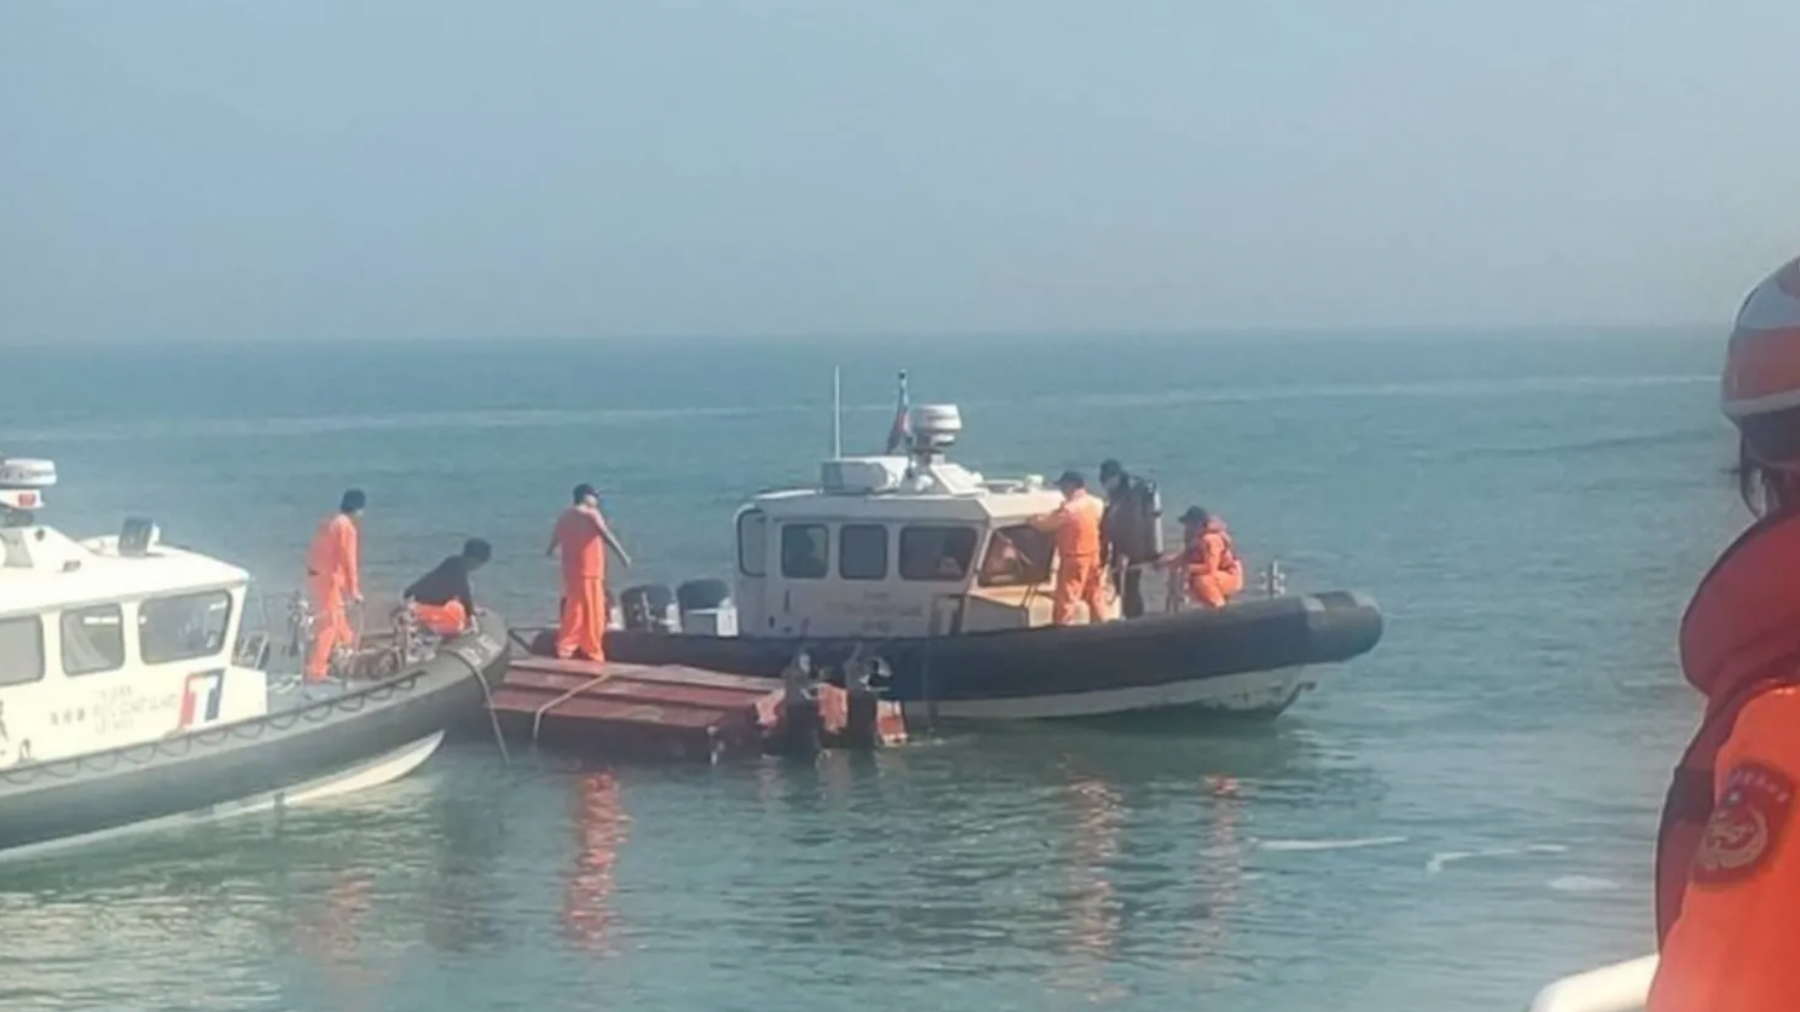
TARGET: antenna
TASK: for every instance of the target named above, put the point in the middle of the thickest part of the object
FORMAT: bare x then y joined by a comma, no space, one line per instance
837,412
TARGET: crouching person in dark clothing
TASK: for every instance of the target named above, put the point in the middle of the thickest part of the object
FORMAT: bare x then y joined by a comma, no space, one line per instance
1130,533
441,598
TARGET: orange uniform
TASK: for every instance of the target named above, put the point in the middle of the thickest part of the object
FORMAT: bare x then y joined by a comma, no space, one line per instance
1728,868
1078,576
447,619
442,600
331,574
583,550
1214,571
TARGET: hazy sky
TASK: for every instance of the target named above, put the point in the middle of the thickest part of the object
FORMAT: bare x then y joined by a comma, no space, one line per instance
308,168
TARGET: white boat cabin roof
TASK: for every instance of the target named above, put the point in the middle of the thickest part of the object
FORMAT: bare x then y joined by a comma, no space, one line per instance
45,570
902,489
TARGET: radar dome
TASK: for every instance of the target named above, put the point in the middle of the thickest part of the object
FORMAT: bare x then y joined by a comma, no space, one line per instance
935,427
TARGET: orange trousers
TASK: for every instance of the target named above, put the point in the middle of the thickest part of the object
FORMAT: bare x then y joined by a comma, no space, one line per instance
1078,579
331,627
447,619
583,619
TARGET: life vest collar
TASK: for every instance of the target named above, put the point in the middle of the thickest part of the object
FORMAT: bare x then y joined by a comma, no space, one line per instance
1743,622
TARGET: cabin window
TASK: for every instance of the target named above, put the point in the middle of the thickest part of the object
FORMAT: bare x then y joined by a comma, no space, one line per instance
936,552
863,552
805,551
93,640
21,650
183,627
753,544
1017,556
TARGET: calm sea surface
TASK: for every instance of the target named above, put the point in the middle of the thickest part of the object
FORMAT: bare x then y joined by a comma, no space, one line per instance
1446,824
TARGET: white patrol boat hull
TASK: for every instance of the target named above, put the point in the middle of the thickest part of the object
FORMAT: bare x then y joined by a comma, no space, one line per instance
304,750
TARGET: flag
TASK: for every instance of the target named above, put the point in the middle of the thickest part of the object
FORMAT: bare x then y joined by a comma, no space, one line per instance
901,430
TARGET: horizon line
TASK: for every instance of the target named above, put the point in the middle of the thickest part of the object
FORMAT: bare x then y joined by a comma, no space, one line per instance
1423,330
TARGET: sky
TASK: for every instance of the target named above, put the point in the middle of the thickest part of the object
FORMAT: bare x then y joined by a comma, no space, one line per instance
349,169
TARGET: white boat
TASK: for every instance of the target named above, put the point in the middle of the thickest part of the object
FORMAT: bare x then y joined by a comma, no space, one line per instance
124,705
1619,987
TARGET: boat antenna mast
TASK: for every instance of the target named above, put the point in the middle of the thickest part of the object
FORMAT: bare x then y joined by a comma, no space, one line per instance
900,432
837,412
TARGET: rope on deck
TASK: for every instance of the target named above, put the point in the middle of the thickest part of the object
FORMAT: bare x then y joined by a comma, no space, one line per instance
537,717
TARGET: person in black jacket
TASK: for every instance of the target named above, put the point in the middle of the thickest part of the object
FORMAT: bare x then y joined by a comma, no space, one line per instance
442,599
1129,533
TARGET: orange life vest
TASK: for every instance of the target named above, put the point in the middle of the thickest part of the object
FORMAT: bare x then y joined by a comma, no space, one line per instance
1078,527
1740,639
1211,550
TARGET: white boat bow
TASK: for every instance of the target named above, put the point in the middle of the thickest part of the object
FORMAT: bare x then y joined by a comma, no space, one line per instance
1621,987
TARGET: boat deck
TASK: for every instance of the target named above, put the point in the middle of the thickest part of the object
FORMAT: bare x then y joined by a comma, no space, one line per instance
638,711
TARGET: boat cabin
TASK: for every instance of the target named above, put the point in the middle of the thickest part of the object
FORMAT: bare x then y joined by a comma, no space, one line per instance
904,545
110,641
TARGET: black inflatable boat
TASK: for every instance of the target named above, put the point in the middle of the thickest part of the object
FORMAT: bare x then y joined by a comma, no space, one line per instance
1254,657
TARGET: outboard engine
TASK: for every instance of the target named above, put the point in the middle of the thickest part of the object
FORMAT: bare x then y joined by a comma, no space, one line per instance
649,608
699,595
706,608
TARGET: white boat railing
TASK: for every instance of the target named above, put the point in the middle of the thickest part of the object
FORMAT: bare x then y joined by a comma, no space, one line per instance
1621,987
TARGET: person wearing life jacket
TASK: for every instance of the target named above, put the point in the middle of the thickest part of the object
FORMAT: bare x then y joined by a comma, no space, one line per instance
1214,572
1130,533
582,536
442,600
1076,525
333,577
1728,851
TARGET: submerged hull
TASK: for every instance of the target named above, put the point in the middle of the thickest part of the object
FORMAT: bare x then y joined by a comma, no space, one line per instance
1254,657
370,734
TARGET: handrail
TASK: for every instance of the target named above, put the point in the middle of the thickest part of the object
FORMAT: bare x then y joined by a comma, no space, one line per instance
1621,987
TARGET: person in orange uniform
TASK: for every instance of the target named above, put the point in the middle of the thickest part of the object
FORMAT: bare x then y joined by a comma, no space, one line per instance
1215,574
582,536
333,578
1728,854
442,599
1077,528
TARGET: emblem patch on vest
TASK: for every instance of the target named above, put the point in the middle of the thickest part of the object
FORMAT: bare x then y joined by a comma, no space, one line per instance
1746,826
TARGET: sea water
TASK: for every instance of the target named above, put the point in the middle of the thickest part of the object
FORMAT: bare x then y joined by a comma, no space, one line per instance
1445,824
